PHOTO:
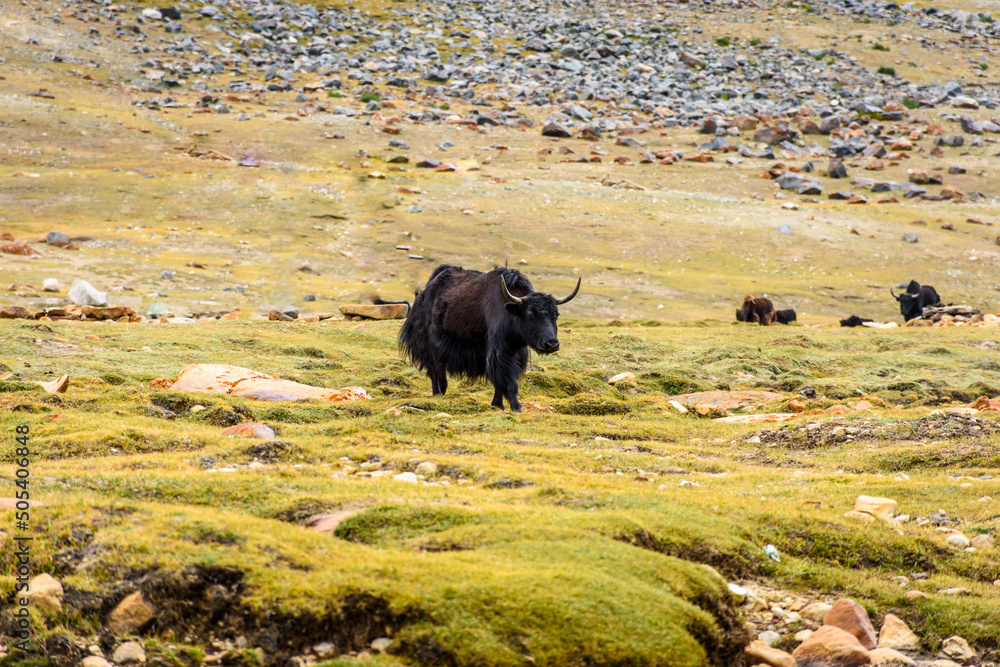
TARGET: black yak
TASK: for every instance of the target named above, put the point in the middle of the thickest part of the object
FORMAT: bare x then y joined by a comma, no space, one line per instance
854,321
479,324
756,309
784,316
915,299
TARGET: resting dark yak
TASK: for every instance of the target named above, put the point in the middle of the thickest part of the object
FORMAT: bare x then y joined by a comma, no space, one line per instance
757,309
480,324
854,321
916,297
784,316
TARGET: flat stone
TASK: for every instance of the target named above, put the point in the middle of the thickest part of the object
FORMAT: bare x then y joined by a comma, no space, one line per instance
390,311
95,661
760,653
250,430
882,508
851,617
726,400
106,313
15,313
860,516
247,383
881,655
327,523
622,377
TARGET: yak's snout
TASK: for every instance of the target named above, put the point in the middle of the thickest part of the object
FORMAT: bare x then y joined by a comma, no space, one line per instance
549,346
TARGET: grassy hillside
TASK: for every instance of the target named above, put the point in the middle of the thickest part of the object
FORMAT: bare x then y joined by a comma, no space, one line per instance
535,526
601,527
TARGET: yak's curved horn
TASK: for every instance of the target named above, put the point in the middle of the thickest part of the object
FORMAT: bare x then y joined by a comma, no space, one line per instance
572,294
894,294
506,293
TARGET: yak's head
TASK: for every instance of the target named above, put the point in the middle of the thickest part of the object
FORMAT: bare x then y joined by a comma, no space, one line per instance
535,316
911,305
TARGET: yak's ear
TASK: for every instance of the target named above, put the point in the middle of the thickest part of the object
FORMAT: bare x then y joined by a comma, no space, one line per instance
513,308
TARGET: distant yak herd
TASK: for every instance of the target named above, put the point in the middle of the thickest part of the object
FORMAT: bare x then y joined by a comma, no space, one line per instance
911,306
761,310
474,324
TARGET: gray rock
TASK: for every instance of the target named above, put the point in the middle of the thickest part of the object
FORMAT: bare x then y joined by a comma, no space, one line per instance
837,169
556,130
57,238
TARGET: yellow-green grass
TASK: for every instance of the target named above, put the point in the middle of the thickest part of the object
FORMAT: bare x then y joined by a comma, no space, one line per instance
546,547
576,558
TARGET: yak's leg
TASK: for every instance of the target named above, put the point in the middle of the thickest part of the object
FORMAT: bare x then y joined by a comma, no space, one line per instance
511,394
519,365
503,368
439,380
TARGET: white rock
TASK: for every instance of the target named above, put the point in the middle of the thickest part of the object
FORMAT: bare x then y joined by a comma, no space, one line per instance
51,285
381,644
680,408
324,650
153,14
738,592
769,637
253,41
622,377
957,540
803,635
406,477
95,661
83,293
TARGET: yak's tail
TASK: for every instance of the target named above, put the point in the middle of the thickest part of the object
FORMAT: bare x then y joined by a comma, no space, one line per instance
414,335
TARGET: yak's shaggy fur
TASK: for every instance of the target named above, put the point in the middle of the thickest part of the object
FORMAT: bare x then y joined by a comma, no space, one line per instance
462,323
